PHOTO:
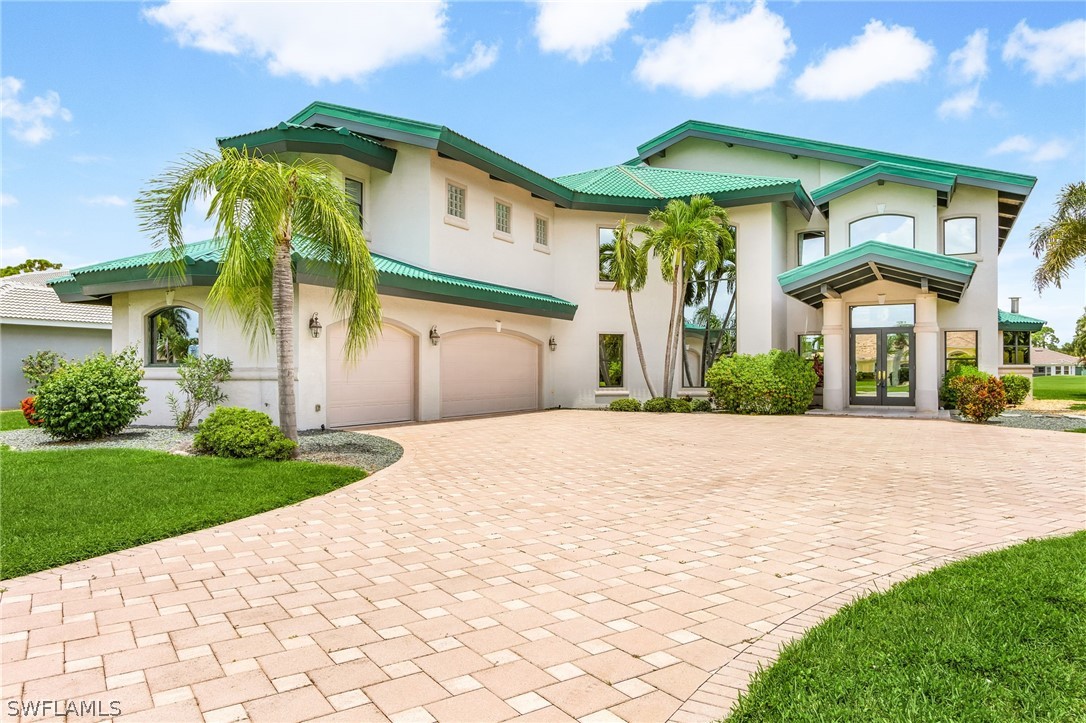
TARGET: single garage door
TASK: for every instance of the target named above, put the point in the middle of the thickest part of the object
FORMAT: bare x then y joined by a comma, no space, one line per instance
486,372
378,386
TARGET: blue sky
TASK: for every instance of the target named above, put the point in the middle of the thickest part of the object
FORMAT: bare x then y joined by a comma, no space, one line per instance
100,97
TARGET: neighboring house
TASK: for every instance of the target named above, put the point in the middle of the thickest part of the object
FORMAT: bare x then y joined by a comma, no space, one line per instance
490,285
1051,363
32,319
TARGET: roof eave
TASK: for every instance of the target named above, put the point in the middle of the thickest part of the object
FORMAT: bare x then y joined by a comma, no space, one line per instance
284,139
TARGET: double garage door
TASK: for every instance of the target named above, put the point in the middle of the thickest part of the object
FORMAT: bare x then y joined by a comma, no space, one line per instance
482,372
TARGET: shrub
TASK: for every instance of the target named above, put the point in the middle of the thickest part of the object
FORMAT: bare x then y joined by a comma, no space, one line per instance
39,366
948,398
243,434
780,382
198,379
979,397
625,405
701,405
29,412
1017,388
679,405
94,398
657,404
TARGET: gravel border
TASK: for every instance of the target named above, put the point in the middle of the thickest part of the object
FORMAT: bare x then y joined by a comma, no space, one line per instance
1029,420
352,449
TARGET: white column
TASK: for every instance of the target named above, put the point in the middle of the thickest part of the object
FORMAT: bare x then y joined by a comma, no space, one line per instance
926,355
835,364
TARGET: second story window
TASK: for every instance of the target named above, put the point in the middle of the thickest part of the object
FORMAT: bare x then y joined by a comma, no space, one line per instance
960,236
812,246
606,251
541,236
455,196
354,192
888,228
502,214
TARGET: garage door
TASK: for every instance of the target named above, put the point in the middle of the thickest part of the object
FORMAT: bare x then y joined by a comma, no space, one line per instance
378,387
487,372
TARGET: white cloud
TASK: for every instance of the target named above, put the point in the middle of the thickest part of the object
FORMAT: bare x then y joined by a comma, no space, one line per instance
11,255
319,41
103,201
581,29
880,56
481,57
87,158
6,199
961,104
1032,150
720,53
30,121
969,63
1058,53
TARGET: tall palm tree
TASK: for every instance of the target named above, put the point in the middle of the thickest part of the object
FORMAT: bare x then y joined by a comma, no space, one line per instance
265,210
1061,242
682,235
704,285
623,261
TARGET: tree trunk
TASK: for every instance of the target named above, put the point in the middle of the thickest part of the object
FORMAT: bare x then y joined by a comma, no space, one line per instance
637,343
727,316
283,314
674,331
670,334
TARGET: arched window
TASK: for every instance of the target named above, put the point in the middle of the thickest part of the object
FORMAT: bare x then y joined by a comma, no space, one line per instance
173,333
888,228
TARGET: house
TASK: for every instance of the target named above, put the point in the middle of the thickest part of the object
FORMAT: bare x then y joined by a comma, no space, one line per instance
33,319
490,285
1050,363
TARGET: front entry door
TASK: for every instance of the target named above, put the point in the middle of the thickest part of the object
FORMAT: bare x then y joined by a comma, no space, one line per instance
881,366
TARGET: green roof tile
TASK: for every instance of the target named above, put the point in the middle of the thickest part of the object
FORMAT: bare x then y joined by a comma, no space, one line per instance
1009,321
940,181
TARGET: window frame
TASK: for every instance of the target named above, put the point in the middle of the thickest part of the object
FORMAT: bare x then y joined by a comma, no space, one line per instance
600,387
1016,345
879,215
150,338
361,205
976,235
799,344
599,267
545,247
800,240
504,235
452,219
946,347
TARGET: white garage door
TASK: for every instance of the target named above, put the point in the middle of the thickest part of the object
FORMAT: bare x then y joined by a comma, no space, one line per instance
486,372
378,386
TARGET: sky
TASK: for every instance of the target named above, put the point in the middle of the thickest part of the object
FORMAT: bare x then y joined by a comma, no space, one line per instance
98,98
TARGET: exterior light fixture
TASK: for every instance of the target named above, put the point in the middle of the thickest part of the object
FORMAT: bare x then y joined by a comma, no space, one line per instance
552,344
169,297
434,336
315,326
498,325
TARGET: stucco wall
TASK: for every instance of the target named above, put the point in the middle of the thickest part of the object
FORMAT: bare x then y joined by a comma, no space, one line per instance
17,341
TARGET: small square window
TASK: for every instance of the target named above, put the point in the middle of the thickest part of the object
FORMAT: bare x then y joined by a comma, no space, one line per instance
960,236
455,204
961,349
502,213
541,237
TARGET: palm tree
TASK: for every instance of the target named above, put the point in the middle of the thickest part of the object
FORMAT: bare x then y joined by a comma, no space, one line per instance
265,210
704,285
1061,242
625,263
684,235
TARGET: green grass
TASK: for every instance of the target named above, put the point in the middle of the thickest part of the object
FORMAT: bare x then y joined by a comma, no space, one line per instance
999,637
63,506
1080,430
1078,407
12,419
1072,388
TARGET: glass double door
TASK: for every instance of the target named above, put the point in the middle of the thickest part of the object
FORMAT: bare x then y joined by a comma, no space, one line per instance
881,366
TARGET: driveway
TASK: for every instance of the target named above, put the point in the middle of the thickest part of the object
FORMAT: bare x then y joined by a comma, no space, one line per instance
555,566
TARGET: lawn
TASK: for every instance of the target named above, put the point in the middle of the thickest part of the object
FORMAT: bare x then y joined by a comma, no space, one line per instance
12,419
64,506
1073,388
999,637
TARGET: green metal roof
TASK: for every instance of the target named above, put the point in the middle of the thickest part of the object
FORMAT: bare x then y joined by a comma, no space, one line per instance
291,137
394,278
874,261
940,181
1018,322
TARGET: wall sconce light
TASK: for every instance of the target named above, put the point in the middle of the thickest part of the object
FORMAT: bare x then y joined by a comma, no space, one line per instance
169,297
880,208
881,298
315,326
434,336
552,344
498,325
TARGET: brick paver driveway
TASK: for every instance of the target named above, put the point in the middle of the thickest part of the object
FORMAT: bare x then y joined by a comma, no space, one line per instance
556,565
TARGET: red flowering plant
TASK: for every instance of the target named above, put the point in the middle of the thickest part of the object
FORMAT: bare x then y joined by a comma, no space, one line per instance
819,369
30,412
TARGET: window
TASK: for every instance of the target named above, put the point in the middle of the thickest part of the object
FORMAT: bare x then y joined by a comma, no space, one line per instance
354,192
607,247
888,228
541,238
455,201
960,236
812,246
883,315
173,333
1016,347
502,214
961,349
810,346
611,360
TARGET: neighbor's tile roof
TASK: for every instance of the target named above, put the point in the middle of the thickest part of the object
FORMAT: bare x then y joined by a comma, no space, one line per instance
26,296
1042,357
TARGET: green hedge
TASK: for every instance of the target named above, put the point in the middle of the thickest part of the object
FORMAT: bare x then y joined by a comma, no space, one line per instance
91,399
243,434
625,405
779,382
1016,387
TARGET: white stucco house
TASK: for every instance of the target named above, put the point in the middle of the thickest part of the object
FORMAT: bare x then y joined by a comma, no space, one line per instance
490,284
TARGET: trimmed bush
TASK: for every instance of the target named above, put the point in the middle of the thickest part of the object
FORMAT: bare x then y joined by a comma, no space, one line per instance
780,382
948,398
979,397
679,405
242,434
1016,387
657,404
625,405
701,405
94,398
